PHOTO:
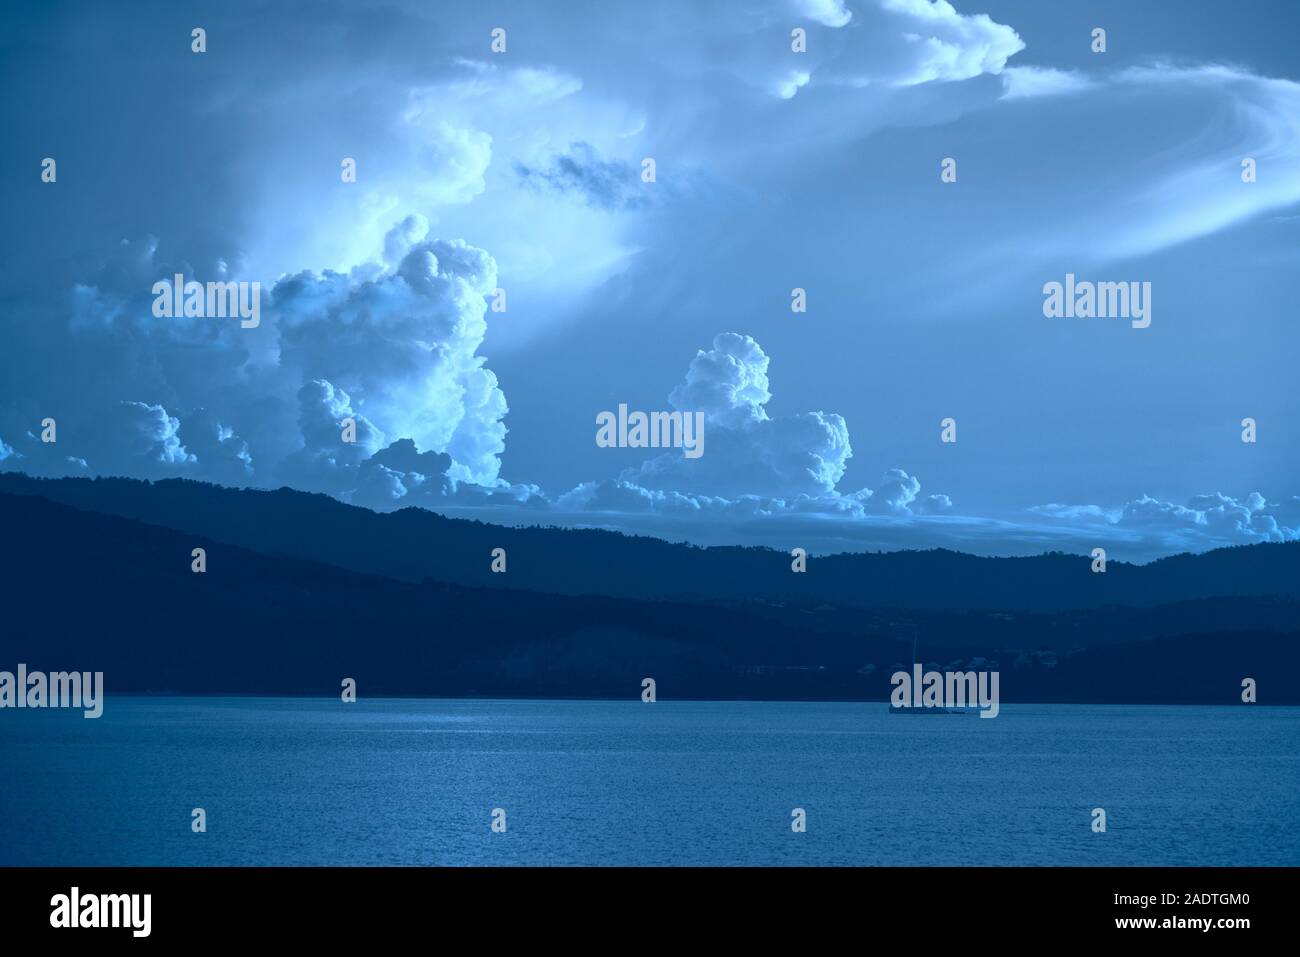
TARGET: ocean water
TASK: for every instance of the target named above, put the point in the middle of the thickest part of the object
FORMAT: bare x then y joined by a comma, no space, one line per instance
313,781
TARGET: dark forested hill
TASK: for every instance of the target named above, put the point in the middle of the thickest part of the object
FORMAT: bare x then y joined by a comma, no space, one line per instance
90,591
414,544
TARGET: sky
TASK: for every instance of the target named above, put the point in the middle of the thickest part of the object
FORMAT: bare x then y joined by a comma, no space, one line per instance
522,171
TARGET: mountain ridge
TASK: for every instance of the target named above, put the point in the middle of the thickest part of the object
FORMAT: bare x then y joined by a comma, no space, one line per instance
93,591
414,544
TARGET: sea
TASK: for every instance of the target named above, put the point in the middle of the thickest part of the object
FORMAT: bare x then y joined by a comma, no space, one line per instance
303,781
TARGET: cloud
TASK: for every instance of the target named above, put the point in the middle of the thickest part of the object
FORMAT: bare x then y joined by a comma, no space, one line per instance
1258,117
582,172
610,495
1026,82
909,42
535,167
933,505
402,344
829,13
728,383
399,240
755,467
789,85
113,336
753,464
762,478
404,336
393,346
401,475
486,87
31,456
455,161
1214,515
131,393
326,462
224,455
896,493
135,439
843,523
883,44
1205,521
1188,130
1076,512
747,452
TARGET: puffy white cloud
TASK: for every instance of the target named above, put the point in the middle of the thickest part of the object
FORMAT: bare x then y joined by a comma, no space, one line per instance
728,383
401,475
881,43
909,42
896,493
951,46
326,462
753,464
402,344
933,505
746,452
1205,521
133,438
393,346
1214,516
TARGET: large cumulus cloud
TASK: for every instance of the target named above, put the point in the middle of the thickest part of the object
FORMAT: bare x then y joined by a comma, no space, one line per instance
753,463
746,450
390,345
402,344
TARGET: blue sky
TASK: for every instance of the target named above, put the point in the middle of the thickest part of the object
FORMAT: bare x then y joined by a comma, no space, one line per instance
774,170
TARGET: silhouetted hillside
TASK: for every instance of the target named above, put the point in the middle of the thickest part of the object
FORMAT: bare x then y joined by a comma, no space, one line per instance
87,591
414,544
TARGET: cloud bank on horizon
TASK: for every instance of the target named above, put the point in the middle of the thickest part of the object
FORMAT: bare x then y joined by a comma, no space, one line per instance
522,172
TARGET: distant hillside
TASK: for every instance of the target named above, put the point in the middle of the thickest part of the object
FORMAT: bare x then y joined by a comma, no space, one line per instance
89,591
414,544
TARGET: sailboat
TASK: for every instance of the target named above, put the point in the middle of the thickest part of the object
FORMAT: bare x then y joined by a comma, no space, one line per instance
913,709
